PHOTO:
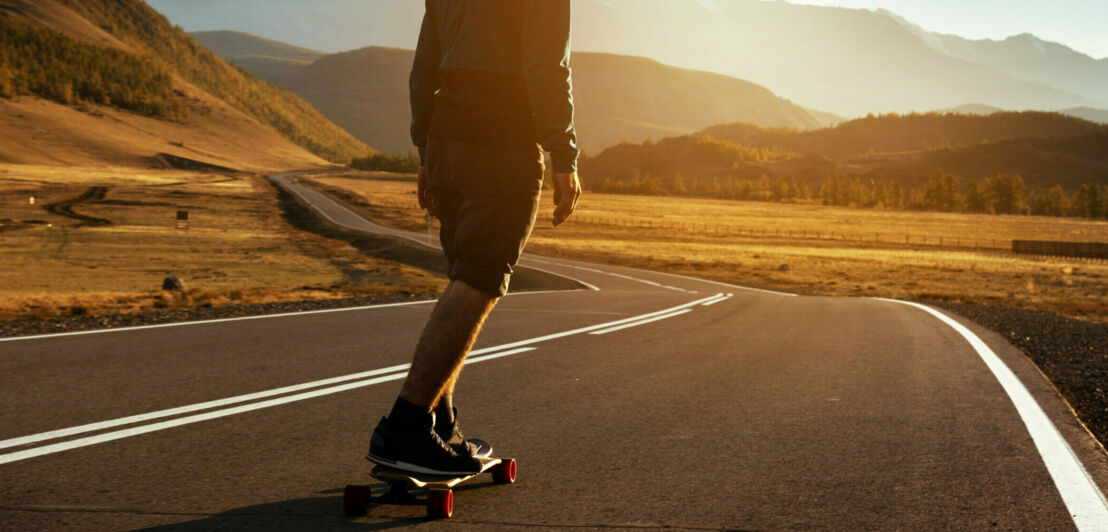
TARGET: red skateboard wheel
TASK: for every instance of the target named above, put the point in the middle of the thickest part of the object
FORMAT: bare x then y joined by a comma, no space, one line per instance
355,500
440,503
505,472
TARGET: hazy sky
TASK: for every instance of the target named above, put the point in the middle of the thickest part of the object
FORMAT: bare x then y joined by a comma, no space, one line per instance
1079,24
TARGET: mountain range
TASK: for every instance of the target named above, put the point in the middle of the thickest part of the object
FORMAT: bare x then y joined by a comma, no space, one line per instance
847,61
1045,149
617,97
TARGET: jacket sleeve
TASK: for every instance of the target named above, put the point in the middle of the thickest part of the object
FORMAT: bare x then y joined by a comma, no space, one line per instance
424,81
546,40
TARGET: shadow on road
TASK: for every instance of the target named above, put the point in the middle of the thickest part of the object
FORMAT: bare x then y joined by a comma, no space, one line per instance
318,513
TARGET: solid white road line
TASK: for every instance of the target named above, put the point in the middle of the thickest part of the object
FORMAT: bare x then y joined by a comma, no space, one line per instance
61,433
642,322
1079,491
475,356
215,414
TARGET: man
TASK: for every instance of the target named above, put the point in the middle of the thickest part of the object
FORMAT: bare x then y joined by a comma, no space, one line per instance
490,90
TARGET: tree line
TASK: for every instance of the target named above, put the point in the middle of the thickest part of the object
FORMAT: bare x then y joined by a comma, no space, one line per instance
944,192
402,164
54,66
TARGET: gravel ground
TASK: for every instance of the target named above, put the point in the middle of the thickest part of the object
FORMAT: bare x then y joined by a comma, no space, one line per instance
1072,353
86,323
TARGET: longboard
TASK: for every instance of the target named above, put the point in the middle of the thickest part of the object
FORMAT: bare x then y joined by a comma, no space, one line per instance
439,498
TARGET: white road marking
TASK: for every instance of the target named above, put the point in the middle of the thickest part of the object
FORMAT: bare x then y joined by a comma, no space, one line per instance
206,416
475,356
720,300
1079,491
61,433
642,322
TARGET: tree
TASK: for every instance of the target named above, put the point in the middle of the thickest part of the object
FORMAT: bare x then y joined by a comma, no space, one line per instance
1007,194
1055,203
678,186
976,197
894,198
942,193
1088,202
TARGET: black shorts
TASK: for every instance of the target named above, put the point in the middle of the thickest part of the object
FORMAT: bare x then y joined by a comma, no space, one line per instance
487,199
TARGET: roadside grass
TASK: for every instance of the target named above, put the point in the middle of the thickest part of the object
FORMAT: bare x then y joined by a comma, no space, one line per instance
880,266
239,248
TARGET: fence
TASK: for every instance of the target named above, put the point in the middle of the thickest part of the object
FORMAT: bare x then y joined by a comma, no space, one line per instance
808,234
1087,250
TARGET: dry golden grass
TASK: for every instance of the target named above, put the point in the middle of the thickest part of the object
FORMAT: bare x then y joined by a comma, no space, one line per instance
239,249
832,267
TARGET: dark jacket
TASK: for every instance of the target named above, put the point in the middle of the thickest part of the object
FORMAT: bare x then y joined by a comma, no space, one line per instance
495,73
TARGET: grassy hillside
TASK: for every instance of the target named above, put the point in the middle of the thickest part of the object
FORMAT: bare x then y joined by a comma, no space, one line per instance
146,31
1054,165
273,61
364,91
43,62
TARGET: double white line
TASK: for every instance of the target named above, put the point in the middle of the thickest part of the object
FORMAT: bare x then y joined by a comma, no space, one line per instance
299,392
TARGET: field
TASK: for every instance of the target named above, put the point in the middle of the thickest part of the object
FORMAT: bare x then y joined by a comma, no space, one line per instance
100,241
858,252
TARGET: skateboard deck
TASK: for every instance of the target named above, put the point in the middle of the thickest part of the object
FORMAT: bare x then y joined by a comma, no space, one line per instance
439,498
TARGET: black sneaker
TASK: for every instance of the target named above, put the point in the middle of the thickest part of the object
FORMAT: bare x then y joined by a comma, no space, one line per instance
421,451
452,435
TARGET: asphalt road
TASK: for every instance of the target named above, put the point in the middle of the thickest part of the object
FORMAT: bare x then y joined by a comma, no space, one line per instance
642,400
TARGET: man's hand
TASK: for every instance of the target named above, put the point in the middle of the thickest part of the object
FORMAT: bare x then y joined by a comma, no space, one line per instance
567,189
423,192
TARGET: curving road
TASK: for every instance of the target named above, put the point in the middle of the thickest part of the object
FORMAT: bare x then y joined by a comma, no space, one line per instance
642,400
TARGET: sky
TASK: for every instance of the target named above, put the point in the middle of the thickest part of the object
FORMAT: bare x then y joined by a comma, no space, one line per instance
1079,24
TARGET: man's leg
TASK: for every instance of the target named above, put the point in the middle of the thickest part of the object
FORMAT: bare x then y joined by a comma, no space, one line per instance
445,342
408,435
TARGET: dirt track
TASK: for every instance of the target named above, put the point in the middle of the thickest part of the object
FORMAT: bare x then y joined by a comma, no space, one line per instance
65,208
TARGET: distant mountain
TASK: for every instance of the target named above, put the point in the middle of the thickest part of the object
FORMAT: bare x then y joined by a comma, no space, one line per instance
972,109
365,92
1025,57
179,98
270,60
1099,116
617,97
847,61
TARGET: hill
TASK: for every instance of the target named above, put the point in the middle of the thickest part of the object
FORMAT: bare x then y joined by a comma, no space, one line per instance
618,97
1046,149
218,114
914,132
273,61
363,91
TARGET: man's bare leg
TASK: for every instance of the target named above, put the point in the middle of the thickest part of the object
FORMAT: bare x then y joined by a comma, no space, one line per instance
445,343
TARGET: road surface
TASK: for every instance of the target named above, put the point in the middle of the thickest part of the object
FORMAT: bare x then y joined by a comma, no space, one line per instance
642,400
